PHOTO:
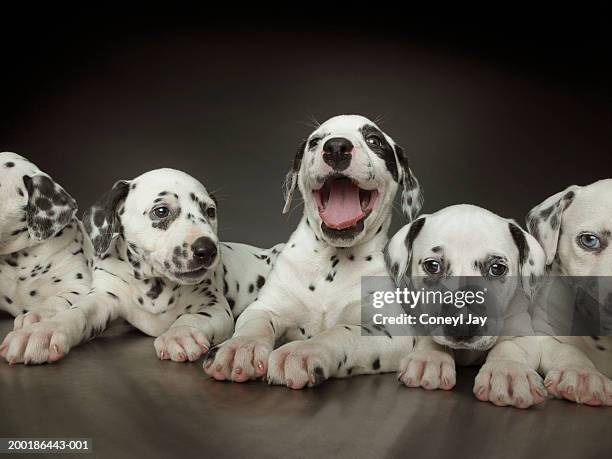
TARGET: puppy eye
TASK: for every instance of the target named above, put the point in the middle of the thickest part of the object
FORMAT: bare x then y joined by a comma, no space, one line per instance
211,212
432,266
497,269
161,212
589,241
313,143
373,140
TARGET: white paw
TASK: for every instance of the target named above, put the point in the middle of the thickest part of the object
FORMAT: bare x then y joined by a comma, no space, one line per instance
42,342
509,383
181,343
581,385
430,370
239,359
299,364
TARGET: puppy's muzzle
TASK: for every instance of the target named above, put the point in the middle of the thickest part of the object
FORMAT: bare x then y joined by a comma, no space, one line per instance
204,251
337,153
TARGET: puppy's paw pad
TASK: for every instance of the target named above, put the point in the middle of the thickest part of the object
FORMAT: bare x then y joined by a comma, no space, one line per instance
299,364
181,344
239,359
40,342
429,369
509,383
581,385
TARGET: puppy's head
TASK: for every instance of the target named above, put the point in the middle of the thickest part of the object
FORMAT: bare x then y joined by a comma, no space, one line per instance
33,207
466,242
168,221
575,228
348,172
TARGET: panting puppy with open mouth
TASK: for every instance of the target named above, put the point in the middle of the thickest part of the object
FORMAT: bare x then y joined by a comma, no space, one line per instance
158,264
348,172
42,265
575,228
466,242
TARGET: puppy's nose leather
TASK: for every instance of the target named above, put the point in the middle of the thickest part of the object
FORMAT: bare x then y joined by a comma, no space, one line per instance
205,250
337,153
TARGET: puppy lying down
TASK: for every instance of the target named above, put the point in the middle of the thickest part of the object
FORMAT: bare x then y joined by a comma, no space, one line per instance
42,265
574,227
468,242
157,263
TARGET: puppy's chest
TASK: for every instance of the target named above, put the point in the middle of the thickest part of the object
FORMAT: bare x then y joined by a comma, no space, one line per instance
32,275
156,303
329,288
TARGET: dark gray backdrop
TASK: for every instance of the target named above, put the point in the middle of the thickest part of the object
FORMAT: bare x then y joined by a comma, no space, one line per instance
499,115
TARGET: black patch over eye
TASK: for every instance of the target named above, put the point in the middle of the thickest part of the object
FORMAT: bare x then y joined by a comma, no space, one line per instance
160,212
497,269
211,212
588,241
432,266
374,140
313,142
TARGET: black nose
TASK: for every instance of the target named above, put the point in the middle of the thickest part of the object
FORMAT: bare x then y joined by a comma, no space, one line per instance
205,250
337,153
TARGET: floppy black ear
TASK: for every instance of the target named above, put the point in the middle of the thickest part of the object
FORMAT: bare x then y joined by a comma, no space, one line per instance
544,220
49,209
291,179
102,221
398,252
412,194
532,260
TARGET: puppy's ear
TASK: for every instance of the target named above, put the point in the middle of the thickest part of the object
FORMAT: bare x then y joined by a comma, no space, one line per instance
412,194
291,179
532,260
49,209
398,252
214,198
544,220
102,221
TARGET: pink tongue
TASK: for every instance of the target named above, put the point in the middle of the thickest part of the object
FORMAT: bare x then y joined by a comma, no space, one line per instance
343,208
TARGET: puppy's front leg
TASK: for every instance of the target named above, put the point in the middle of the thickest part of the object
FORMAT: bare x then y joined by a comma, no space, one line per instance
571,375
191,335
509,375
245,355
49,308
430,366
50,340
341,351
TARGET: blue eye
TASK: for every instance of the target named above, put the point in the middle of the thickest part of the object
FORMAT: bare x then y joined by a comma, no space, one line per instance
589,241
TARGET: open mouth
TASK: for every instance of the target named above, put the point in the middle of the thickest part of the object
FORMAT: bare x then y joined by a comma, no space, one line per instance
342,204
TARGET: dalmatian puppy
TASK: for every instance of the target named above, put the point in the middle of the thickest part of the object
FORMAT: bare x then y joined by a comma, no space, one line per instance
157,263
42,265
469,242
348,172
575,228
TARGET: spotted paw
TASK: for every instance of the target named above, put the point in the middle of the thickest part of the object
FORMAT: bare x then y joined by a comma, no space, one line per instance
509,383
429,369
239,359
181,344
581,385
300,364
42,342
